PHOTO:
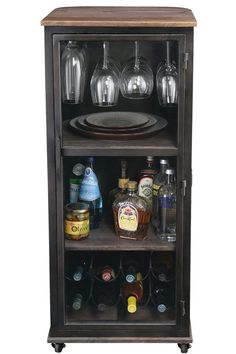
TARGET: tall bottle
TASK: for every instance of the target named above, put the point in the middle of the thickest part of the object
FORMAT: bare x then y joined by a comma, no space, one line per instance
75,182
122,184
158,181
163,266
90,193
133,293
73,73
167,208
146,180
131,214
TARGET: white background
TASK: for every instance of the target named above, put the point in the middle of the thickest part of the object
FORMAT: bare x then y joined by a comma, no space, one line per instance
24,315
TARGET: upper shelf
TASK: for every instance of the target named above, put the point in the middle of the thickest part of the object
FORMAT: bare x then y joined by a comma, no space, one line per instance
162,144
120,17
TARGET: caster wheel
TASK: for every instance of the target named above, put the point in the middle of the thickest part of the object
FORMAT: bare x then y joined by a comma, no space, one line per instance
58,347
184,347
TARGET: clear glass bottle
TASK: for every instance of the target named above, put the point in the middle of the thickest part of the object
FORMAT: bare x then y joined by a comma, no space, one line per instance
158,181
90,193
122,184
131,214
73,72
146,180
75,181
167,208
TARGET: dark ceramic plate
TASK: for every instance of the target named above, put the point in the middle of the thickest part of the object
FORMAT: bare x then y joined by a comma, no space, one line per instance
116,120
81,123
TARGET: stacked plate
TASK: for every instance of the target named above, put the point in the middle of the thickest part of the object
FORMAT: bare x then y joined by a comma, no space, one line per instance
118,125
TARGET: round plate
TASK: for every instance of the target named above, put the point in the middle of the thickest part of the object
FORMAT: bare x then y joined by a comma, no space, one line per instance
81,123
160,124
116,120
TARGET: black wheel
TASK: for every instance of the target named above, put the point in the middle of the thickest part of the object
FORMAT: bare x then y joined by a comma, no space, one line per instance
58,347
184,347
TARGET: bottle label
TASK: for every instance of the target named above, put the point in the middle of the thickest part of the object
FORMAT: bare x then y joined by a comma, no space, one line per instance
145,188
89,189
128,217
77,229
155,189
167,202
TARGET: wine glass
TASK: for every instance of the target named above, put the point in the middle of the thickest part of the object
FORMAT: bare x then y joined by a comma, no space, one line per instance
104,84
73,72
136,77
167,81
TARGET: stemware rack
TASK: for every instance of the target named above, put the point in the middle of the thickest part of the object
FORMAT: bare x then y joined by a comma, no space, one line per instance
121,27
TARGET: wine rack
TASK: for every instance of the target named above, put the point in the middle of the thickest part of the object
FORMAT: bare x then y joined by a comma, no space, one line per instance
121,27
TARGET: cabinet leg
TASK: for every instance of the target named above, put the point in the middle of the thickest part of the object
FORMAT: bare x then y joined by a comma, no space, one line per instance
184,347
58,347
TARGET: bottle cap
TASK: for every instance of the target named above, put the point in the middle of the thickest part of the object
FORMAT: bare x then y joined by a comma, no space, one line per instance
161,308
78,169
77,302
123,183
132,185
101,307
91,159
132,307
170,171
164,162
150,158
130,278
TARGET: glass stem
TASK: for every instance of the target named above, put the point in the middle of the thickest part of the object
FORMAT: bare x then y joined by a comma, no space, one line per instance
168,53
136,64
105,54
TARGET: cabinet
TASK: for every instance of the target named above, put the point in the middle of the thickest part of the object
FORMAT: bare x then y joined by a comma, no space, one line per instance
121,27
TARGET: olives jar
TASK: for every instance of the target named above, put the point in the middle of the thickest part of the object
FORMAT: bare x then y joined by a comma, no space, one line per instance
76,221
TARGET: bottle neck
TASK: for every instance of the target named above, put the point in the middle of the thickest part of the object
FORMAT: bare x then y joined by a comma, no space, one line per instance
163,168
132,192
149,164
123,170
170,179
90,164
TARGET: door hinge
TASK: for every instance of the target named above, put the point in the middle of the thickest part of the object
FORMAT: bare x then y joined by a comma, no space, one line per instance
183,311
186,58
183,187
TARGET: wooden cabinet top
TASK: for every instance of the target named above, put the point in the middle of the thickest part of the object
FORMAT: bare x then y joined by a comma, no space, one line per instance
120,17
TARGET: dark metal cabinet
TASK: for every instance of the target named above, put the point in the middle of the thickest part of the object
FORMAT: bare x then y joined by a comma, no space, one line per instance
152,26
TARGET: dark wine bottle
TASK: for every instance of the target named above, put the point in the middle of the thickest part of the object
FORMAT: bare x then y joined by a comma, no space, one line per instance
163,266
105,296
161,297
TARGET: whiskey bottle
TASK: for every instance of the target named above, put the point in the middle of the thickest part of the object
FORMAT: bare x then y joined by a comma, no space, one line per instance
167,208
133,293
131,214
163,266
122,184
146,180
158,181
75,182
90,193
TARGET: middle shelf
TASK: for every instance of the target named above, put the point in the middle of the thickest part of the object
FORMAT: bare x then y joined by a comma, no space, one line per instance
104,238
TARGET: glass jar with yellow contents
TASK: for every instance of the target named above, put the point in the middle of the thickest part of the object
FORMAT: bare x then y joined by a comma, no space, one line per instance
76,221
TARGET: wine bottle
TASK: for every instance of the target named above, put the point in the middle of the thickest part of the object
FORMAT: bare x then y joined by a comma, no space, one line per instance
161,298
133,293
90,193
79,264
163,266
105,296
106,273
77,301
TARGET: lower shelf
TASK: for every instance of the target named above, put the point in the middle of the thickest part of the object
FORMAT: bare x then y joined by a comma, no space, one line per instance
104,238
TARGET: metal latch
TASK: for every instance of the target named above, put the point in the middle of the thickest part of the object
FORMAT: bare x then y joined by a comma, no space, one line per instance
184,186
183,311
186,58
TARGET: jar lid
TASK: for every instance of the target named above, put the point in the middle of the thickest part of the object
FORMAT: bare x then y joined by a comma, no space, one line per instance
77,208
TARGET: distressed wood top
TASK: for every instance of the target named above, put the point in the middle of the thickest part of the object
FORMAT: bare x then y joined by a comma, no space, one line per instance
120,17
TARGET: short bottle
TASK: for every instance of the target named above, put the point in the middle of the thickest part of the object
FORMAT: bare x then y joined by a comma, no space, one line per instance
133,293
167,208
131,214
90,193
146,180
158,181
75,182
163,266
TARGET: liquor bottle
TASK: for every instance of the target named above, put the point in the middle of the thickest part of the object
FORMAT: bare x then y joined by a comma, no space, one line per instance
133,293
167,208
146,180
105,296
75,182
163,266
158,181
90,193
161,296
122,184
106,273
131,214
